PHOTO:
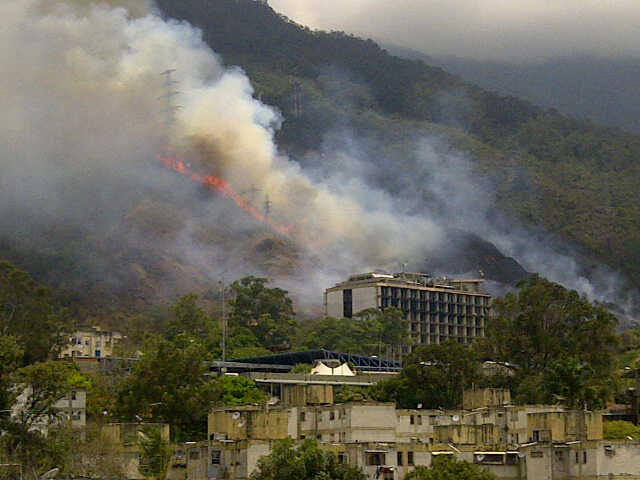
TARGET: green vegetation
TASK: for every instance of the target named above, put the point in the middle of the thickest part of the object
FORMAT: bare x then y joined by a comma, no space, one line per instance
433,376
621,430
449,468
369,332
563,346
569,177
156,453
304,462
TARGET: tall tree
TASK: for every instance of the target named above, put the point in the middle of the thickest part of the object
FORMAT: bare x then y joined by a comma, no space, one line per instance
29,312
433,375
304,462
266,312
562,344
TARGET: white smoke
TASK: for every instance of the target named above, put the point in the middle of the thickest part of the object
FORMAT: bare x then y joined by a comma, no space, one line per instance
84,117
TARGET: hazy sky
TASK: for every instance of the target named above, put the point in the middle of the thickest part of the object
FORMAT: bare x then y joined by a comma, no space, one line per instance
498,29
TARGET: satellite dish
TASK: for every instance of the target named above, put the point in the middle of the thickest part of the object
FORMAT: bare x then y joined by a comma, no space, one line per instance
235,415
419,405
480,457
240,424
51,473
455,418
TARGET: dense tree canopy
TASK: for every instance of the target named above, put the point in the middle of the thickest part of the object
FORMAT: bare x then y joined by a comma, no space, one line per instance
267,313
304,462
368,332
169,384
433,376
29,313
447,467
563,346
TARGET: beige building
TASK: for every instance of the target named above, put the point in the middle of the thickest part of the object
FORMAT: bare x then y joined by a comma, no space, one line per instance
90,342
533,442
125,437
437,309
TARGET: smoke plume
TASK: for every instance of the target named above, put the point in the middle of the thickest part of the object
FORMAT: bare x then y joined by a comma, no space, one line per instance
94,93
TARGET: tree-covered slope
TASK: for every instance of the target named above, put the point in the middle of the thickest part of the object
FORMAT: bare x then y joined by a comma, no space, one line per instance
566,176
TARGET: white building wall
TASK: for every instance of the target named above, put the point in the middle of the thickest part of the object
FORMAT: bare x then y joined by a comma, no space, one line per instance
335,306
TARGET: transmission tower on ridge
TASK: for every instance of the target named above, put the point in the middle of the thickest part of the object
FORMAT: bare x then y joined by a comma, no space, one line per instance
267,207
169,95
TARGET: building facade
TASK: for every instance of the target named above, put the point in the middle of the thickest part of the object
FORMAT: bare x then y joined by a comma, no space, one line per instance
90,342
530,442
437,310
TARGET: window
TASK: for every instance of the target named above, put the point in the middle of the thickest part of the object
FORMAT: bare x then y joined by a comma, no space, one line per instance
375,458
342,458
303,416
332,415
77,415
411,420
215,457
194,454
410,458
433,420
399,459
347,302
73,395
582,457
419,419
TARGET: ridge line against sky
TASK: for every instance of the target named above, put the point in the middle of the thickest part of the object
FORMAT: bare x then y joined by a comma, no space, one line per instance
526,30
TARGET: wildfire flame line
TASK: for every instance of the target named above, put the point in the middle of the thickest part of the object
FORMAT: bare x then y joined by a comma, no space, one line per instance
224,188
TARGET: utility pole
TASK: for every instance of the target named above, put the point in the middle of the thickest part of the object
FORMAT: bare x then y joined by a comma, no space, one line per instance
224,322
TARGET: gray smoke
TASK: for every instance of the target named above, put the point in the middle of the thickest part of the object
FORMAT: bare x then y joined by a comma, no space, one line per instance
85,113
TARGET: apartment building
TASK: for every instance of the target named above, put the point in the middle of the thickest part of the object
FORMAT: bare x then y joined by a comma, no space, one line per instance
437,309
532,442
90,342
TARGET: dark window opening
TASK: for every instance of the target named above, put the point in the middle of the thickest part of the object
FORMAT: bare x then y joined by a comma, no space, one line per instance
347,301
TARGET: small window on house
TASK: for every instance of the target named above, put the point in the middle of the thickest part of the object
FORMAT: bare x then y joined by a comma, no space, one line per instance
302,437
433,420
77,415
303,416
332,415
215,457
73,395
584,457
342,458
375,458
194,454
410,458
318,437
411,420
419,419
559,455
399,459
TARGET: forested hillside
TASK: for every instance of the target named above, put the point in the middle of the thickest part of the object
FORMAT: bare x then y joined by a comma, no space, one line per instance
569,177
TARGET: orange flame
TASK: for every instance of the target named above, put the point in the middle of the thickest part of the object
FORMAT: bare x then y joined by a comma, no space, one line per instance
224,188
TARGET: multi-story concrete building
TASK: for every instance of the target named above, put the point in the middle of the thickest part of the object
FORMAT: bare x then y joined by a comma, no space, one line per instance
533,442
90,342
437,309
